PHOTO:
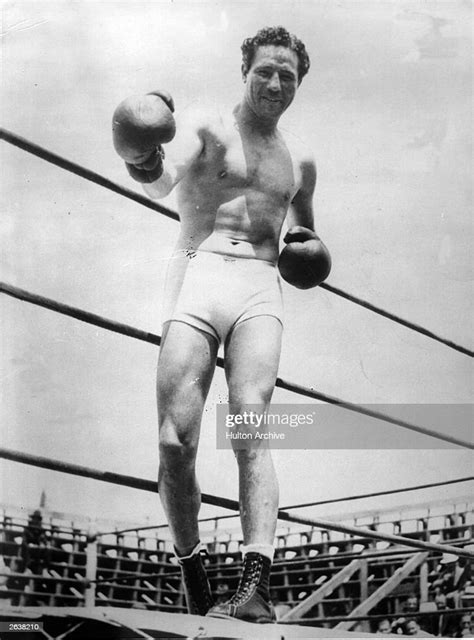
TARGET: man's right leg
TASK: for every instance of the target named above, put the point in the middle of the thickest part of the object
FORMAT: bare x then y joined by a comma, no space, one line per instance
185,369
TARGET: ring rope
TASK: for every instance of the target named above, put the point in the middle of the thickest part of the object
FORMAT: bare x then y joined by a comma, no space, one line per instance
117,327
92,176
317,503
394,318
226,503
388,492
87,174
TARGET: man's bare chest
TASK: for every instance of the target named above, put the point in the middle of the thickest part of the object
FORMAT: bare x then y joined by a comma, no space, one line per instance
239,162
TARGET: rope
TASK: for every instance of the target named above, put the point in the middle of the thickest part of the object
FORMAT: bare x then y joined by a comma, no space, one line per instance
226,503
92,176
79,314
380,493
104,476
87,174
118,327
394,318
378,415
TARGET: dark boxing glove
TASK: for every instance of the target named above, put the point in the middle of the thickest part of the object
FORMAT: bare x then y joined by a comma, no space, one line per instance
140,125
304,262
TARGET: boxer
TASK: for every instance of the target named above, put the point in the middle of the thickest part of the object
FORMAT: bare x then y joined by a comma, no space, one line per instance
237,177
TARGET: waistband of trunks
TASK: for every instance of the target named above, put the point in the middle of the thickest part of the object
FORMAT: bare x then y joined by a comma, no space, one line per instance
222,257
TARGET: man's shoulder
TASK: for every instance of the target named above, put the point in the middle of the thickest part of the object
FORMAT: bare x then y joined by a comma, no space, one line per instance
201,117
299,150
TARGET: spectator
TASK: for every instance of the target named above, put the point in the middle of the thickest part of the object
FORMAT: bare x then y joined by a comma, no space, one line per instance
411,604
398,626
455,573
408,608
444,624
35,551
412,628
465,627
441,601
15,582
384,626
34,558
5,598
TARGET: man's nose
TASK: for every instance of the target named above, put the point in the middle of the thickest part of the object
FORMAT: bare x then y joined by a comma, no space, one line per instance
274,84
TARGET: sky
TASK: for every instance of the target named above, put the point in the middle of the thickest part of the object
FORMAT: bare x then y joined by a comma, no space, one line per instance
386,108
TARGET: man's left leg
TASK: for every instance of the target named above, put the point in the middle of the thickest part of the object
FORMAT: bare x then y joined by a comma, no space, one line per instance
252,356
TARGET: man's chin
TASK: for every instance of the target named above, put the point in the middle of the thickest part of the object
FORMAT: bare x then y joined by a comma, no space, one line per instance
273,104
272,109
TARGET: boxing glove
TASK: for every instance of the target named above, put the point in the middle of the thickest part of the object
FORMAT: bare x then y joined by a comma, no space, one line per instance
304,262
140,125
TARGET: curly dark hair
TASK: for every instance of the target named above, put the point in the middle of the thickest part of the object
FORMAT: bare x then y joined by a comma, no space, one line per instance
278,36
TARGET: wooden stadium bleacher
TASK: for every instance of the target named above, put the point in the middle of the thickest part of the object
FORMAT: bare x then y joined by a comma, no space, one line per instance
319,576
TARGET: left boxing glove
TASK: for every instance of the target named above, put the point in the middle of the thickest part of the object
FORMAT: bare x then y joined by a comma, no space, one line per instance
304,262
140,125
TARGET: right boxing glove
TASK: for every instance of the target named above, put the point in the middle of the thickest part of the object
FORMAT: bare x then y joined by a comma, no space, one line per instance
140,125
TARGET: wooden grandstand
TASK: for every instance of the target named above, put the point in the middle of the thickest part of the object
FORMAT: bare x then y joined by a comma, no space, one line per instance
320,577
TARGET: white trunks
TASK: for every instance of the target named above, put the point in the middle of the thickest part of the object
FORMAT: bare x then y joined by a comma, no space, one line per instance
215,292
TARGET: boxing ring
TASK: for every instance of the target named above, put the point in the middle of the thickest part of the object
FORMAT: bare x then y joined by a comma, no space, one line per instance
144,623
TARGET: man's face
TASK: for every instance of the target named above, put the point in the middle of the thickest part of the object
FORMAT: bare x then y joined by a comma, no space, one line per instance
384,627
412,604
272,81
440,601
412,628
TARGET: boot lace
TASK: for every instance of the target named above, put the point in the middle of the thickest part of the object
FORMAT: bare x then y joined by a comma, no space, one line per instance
248,582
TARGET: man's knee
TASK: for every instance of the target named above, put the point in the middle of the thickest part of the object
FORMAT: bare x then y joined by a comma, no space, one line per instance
249,399
177,447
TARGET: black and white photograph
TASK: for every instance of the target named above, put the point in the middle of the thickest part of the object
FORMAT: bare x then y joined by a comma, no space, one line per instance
236,302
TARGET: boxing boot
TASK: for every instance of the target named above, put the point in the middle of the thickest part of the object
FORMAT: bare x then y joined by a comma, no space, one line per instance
251,602
196,585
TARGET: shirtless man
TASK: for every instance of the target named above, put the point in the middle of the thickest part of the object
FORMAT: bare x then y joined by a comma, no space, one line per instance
237,177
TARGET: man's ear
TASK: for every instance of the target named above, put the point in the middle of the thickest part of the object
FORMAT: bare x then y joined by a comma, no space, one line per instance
244,73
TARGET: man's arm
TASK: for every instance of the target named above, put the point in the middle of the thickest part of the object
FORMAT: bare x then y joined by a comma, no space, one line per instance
305,261
179,154
301,209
